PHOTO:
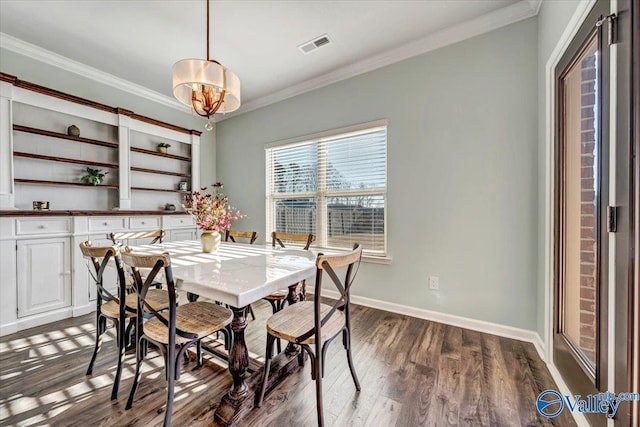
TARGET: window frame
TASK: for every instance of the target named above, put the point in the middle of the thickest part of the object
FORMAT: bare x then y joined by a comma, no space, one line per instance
322,194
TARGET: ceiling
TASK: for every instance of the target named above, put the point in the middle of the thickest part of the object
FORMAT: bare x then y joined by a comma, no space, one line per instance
139,41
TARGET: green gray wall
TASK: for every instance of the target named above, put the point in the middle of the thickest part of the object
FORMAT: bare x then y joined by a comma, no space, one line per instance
46,75
462,171
552,21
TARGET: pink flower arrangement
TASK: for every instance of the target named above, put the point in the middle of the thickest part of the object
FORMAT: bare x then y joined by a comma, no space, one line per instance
212,212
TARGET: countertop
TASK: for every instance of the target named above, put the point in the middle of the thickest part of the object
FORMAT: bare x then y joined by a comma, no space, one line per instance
27,212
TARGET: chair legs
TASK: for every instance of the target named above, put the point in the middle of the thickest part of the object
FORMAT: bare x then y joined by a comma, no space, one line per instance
101,327
140,353
121,337
267,366
318,377
171,369
346,340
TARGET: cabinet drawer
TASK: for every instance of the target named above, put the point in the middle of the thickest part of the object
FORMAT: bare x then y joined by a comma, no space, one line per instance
180,221
34,226
144,223
106,224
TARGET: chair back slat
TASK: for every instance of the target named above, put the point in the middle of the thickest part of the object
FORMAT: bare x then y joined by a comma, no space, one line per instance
156,235
277,237
157,263
326,264
232,235
99,257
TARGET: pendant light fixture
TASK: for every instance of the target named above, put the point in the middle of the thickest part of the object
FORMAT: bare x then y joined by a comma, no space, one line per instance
206,85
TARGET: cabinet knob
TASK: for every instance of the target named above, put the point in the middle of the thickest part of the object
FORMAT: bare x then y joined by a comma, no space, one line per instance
142,223
42,226
181,221
105,223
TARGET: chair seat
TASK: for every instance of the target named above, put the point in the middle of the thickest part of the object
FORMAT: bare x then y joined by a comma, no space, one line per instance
157,298
277,296
200,318
297,319
282,294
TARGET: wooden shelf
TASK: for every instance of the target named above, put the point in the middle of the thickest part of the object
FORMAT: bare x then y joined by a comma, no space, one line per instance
62,184
160,189
65,160
185,175
42,132
155,153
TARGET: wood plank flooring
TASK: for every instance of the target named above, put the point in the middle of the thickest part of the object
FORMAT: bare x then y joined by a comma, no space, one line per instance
413,373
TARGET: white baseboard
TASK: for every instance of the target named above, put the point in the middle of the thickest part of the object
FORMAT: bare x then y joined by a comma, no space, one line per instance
449,319
35,320
43,318
540,347
84,309
579,417
8,328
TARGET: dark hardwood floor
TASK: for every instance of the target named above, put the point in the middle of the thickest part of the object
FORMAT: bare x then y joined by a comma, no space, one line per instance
413,373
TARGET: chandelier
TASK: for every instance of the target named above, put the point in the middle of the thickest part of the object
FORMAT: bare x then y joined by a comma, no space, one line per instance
206,86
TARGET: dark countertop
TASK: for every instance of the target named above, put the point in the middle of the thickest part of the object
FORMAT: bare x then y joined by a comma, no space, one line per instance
27,212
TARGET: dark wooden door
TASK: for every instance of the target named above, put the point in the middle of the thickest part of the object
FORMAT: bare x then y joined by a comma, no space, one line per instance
582,195
596,218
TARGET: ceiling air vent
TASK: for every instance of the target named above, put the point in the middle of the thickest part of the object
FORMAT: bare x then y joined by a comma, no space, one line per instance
314,44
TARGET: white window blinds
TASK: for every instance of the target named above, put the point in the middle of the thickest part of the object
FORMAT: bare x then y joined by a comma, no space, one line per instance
333,187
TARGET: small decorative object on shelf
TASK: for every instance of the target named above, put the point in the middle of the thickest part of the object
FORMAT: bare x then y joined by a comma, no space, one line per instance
183,186
169,207
40,206
73,130
162,147
213,215
94,176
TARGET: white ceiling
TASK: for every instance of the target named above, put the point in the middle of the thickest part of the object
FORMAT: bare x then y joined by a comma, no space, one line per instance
139,41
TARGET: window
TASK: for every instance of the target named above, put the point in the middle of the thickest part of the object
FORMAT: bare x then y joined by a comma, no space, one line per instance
333,185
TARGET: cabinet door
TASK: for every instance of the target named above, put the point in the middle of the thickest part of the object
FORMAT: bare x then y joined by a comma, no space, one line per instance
44,275
186,234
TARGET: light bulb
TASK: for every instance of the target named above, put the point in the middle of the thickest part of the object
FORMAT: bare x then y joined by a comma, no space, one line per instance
209,125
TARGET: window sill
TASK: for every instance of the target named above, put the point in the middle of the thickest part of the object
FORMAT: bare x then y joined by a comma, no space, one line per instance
385,260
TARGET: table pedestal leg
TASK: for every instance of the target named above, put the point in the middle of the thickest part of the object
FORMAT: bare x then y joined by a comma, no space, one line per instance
292,298
232,402
241,398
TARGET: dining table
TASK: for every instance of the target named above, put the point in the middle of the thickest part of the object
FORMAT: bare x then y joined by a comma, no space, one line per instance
238,275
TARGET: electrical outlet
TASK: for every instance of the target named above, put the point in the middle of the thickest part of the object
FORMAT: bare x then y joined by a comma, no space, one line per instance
434,283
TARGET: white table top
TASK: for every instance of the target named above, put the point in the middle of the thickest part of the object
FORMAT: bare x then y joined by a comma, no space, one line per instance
236,274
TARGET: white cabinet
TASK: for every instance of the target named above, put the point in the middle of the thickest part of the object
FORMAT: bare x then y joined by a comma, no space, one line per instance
43,275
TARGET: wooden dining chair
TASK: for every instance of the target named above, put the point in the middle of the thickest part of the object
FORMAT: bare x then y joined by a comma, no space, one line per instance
173,331
118,308
251,236
279,299
232,235
108,306
314,325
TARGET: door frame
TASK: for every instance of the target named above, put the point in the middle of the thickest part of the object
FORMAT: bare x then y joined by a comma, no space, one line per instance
632,329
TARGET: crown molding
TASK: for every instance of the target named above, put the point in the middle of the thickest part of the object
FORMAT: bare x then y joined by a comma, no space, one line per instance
48,57
491,21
